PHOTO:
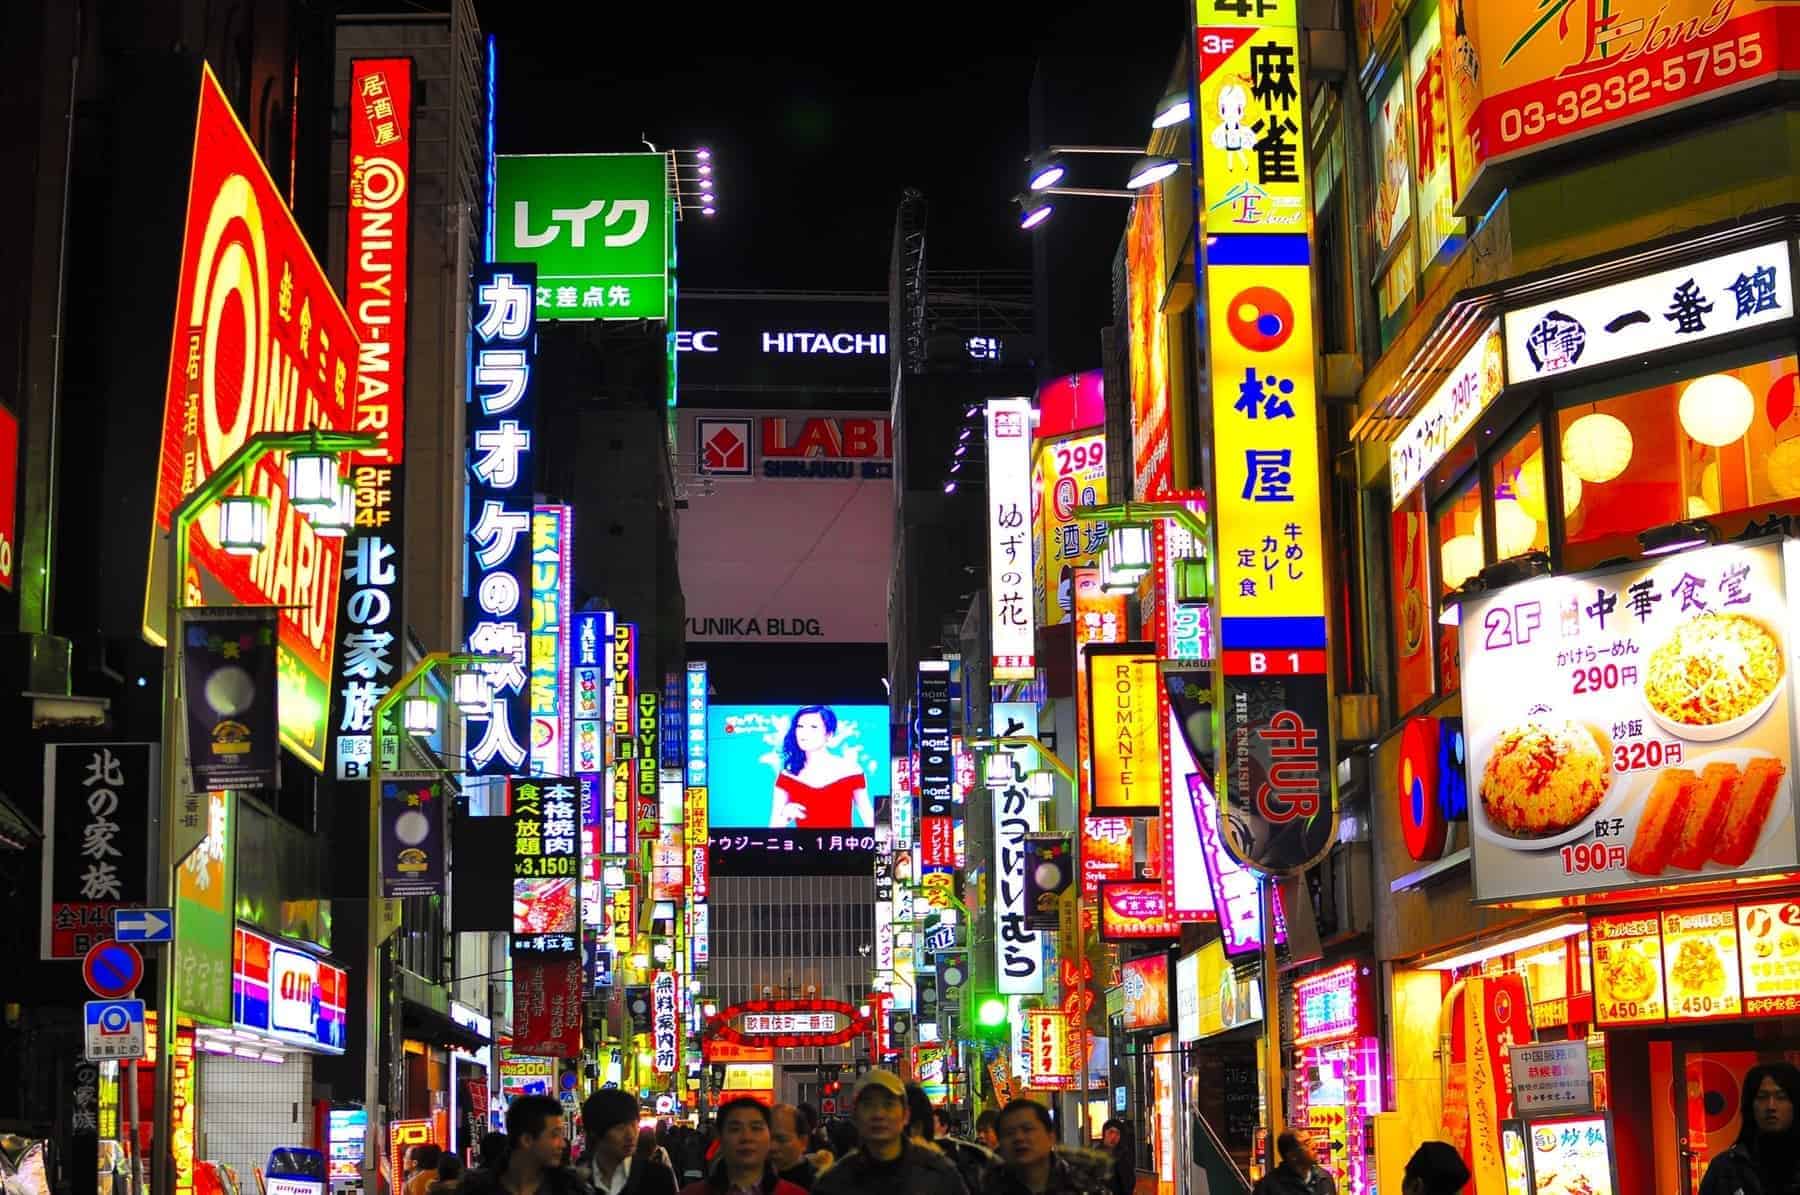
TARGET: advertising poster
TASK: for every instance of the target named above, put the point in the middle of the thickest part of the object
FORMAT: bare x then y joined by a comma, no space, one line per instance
228,670
1135,911
1049,870
97,847
1146,984
1572,1153
1223,999
1769,944
1438,225
1070,472
1012,632
1278,809
1628,972
1152,471
619,830
1253,160
596,226
205,898
260,344
1634,725
548,997
412,836
1125,719
796,767
546,867
1390,134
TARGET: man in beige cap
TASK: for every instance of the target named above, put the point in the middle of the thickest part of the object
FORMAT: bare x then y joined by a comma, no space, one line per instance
887,1163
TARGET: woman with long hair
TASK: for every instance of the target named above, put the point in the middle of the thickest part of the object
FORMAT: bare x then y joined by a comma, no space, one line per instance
818,787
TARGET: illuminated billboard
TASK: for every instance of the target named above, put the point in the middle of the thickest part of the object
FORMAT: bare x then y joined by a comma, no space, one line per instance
260,343
596,226
806,767
552,547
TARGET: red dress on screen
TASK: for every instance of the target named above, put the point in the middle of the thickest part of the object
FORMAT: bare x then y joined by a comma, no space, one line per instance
830,806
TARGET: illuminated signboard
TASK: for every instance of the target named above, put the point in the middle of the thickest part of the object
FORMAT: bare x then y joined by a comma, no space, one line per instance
648,728
595,225
620,830
502,477
287,994
371,618
260,344
1135,911
1125,724
1050,1051
1471,385
790,1022
1018,949
1183,629
590,667
546,865
936,754
1332,1004
1012,629
9,490
552,547
698,689
1146,990
1146,273
1275,782
1183,831
1628,972
665,1028
1070,472
1105,841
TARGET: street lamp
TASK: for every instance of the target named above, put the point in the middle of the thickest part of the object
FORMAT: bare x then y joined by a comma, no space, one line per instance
1151,168
243,530
419,715
1125,560
1172,109
338,519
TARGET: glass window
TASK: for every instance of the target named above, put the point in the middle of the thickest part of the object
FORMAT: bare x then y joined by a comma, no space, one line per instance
1456,536
1520,522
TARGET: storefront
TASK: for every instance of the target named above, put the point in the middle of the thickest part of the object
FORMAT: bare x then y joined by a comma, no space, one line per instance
1145,1059
1593,478
1218,1028
472,1075
1335,1080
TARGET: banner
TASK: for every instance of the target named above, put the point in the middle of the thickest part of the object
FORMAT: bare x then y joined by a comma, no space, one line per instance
228,673
97,845
1011,619
1049,870
412,836
1125,717
1497,1016
1018,949
547,1005
205,903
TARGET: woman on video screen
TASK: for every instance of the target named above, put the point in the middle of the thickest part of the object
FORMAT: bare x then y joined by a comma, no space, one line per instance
818,789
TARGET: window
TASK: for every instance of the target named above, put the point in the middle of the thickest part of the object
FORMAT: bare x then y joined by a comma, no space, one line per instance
1517,477
1457,537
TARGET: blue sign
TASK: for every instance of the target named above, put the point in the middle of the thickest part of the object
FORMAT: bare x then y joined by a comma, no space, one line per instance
502,481
144,925
699,688
603,969
115,1029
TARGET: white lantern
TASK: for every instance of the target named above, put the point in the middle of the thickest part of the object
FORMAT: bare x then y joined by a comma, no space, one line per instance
1460,558
1040,783
1126,557
419,715
473,692
1597,447
1514,530
312,480
1529,487
1717,409
338,519
243,524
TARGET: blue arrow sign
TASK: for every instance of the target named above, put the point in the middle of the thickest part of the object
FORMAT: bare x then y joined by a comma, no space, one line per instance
144,925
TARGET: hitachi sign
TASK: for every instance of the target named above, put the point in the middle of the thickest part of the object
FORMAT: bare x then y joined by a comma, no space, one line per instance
835,344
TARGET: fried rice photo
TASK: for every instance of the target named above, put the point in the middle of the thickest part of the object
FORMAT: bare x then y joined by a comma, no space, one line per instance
1543,778
1713,669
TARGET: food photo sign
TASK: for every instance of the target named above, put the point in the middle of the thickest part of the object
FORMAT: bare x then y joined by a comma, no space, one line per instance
1632,726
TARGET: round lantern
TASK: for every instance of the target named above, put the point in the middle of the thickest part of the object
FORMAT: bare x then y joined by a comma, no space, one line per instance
1461,559
1717,409
1529,486
1783,467
1700,508
1597,447
1514,530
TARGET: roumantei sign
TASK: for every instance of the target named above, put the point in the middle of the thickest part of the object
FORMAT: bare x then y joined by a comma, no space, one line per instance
260,343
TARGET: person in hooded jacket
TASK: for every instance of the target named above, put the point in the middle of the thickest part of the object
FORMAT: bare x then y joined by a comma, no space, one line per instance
922,1121
1765,1160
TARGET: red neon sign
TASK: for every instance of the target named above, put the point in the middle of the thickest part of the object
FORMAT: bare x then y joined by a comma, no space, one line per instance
720,1028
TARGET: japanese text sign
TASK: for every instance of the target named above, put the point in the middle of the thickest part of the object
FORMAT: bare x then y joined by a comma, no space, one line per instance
595,225
546,864
1018,949
1100,617
1552,1076
1628,972
1070,472
261,343
502,479
552,550
1333,1004
1147,274
1632,725
1465,392
1135,911
96,856
1050,1060
620,828
664,1023
1011,619
1125,720
937,779
694,720
1252,153
548,998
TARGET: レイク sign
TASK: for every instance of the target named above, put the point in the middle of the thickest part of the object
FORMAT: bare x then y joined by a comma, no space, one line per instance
260,344
596,226
1012,624
1691,303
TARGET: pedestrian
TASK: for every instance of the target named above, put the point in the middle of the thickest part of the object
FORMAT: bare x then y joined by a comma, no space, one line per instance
926,1124
840,1137
650,1149
1765,1159
611,1166
1435,1168
886,1163
536,1143
1119,1141
424,1160
745,1166
449,1175
491,1153
987,1128
790,1133
1296,1172
1032,1164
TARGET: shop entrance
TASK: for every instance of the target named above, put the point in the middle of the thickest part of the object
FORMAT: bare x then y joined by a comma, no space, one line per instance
1699,1090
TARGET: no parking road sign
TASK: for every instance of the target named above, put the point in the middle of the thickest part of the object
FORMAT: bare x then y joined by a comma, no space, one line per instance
115,1030
112,969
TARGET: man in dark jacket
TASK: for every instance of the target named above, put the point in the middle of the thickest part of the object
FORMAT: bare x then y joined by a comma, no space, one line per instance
1297,1173
924,1123
536,1145
887,1163
610,1119
1032,1164
1765,1160
791,1132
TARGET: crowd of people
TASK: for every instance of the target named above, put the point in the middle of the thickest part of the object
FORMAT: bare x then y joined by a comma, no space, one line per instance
893,1143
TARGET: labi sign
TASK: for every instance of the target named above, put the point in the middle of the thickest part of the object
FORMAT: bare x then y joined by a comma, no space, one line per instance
596,226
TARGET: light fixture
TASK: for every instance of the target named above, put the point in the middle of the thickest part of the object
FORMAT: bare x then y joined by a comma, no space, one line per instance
1041,783
1528,487
1171,109
338,519
1597,446
1514,530
705,171
1518,945
243,524
1034,212
1716,409
1677,537
419,715
1193,585
1459,559
1046,170
955,466
965,433
472,690
707,211
703,154
312,479
960,449
1126,557
1151,168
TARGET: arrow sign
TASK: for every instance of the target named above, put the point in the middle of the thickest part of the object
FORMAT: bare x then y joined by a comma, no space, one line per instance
112,969
144,925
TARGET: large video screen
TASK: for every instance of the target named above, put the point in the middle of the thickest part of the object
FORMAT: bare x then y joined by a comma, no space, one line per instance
785,767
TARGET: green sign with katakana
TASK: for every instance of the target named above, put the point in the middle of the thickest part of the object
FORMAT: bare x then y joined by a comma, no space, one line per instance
597,227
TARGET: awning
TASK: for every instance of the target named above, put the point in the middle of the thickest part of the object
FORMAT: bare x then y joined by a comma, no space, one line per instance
16,831
420,1022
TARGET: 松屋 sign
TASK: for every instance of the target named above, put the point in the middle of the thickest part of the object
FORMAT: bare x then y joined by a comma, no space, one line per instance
1012,623
596,226
261,344
502,478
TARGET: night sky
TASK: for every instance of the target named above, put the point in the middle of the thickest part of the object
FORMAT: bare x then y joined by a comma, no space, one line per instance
819,116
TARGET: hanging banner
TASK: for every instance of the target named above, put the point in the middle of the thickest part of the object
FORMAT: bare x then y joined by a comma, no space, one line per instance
228,670
205,903
1070,473
412,836
1018,949
665,1034
97,844
1496,1017
547,1005
1100,617
1012,629
1049,870
1125,716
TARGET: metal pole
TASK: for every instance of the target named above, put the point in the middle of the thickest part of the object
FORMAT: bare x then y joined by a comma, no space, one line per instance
162,1155
1271,1020
133,1156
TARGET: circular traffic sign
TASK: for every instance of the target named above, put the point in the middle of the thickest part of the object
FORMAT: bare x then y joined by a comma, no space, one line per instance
112,969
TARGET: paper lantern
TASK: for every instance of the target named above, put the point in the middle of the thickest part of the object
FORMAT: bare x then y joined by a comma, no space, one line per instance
1514,530
1529,487
1597,447
1710,489
1717,409
1700,508
1461,559
1783,467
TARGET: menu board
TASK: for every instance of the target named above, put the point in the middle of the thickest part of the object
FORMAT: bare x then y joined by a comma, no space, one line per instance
1769,949
1571,1153
1628,973
1631,726
1700,963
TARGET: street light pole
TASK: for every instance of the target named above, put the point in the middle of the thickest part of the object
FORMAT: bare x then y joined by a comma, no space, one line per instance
181,522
